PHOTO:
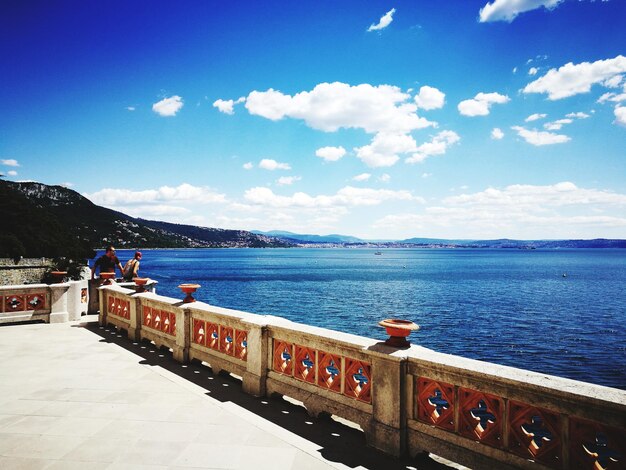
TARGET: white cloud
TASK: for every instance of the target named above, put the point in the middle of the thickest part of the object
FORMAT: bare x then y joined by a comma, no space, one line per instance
437,146
330,154
66,184
332,106
362,177
385,21
12,173
507,10
561,210
384,178
430,98
480,104
184,192
535,117
248,166
620,115
348,196
497,134
130,108
613,82
557,125
572,79
578,115
539,138
384,149
533,71
168,106
426,175
287,180
269,164
227,106
514,69
614,97
10,162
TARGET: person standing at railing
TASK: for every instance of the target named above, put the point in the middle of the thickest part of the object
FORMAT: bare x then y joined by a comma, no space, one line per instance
131,268
107,263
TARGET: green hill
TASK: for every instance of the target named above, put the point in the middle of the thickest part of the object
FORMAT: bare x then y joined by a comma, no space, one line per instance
41,220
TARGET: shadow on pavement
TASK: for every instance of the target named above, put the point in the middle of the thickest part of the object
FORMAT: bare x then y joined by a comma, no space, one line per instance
338,442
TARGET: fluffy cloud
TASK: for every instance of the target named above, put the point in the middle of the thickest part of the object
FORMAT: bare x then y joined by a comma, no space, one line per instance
481,103
614,97
384,149
507,10
384,178
12,173
620,115
578,115
348,196
562,210
330,154
497,134
362,177
287,180
227,106
430,98
539,138
557,125
535,117
248,166
168,106
332,106
572,79
533,71
10,162
385,21
269,164
184,192
437,146
130,108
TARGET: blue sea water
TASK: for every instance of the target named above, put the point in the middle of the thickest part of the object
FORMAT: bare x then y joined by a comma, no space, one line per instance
511,307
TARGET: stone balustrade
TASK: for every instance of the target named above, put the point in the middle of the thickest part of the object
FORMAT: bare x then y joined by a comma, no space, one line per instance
406,400
52,303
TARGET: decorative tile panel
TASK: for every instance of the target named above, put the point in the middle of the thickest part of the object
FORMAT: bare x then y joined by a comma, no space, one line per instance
283,357
304,367
212,336
157,319
14,303
534,434
435,403
36,301
166,322
329,371
199,332
147,316
110,304
596,447
480,416
227,338
358,380
241,344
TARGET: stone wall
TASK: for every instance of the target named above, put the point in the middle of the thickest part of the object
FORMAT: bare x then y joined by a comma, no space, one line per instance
25,271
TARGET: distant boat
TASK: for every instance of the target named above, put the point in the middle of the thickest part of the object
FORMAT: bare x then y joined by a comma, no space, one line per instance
378,253
564,274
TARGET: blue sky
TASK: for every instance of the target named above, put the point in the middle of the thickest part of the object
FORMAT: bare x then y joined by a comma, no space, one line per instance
457,119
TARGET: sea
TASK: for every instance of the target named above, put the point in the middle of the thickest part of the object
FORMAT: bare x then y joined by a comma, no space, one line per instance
560,312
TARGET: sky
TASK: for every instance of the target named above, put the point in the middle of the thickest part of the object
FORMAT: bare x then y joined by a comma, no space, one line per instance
378,119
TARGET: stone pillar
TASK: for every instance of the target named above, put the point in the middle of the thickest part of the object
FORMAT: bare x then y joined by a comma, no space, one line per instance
93,305
183,335
387,429
102,317
58,302
256,365
136,312
73,300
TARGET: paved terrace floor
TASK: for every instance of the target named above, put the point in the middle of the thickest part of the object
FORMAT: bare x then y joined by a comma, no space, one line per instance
76,395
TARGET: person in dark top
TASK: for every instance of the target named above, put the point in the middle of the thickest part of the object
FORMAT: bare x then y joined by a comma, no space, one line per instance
107,262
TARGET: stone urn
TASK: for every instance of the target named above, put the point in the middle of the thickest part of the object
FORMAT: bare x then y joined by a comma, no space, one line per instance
189,289
140,282
398,330
108,278
58,276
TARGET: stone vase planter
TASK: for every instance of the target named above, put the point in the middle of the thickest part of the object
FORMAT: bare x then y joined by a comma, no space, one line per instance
189,289
398,331
140,282
108,278
58,276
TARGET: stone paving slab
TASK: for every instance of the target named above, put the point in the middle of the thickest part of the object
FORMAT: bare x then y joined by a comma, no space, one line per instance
75,395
